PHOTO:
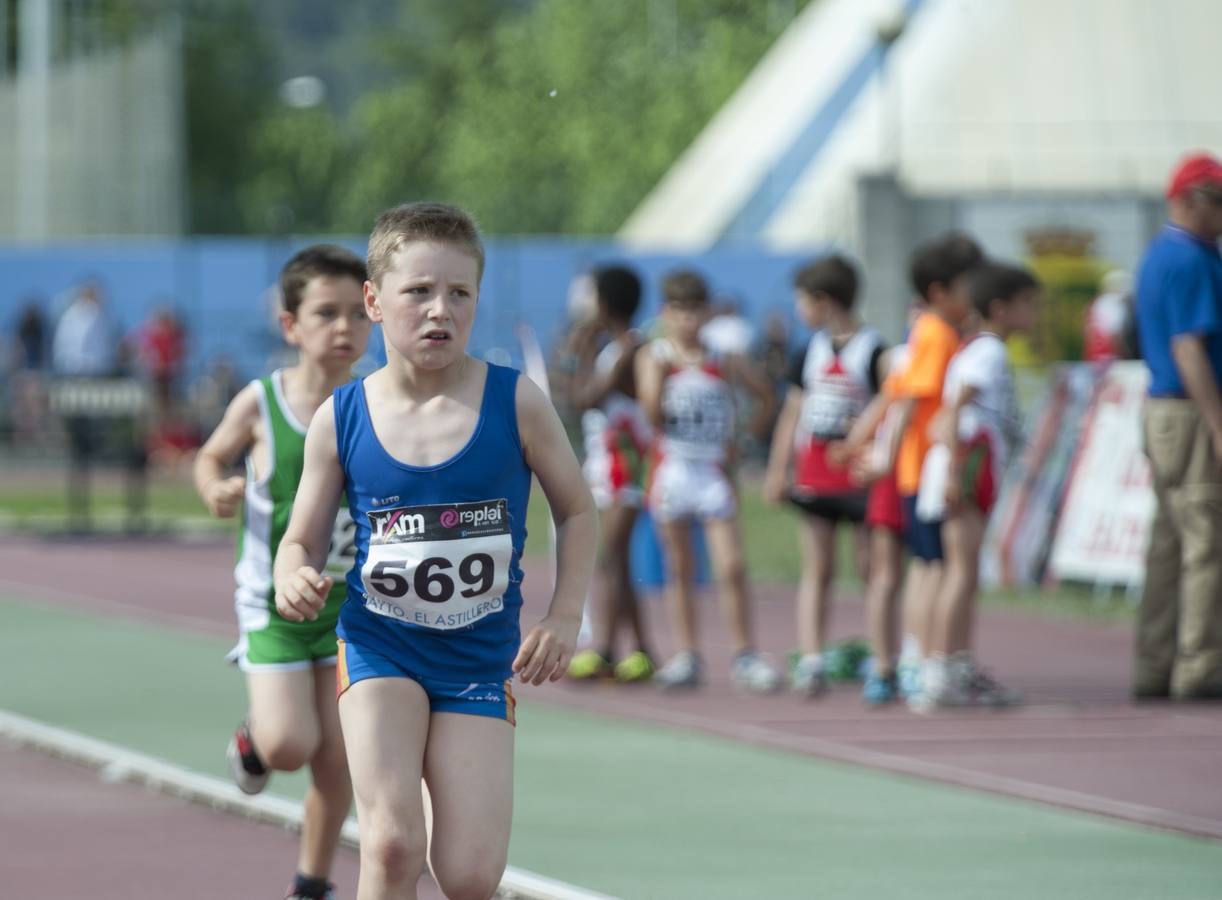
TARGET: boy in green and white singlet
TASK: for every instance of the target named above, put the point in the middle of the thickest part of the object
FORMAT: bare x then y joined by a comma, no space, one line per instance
290,666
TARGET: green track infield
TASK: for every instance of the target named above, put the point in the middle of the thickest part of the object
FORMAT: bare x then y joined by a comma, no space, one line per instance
631,810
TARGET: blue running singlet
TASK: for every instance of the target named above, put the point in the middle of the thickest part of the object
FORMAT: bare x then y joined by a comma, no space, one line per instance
436,585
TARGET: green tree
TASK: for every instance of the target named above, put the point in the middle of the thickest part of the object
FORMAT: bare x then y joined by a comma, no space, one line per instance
557,117
572,112
230,83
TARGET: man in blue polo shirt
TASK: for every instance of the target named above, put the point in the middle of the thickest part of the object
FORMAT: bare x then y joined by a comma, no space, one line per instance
1179,321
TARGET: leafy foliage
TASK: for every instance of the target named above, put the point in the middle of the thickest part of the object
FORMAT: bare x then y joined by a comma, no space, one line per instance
552,116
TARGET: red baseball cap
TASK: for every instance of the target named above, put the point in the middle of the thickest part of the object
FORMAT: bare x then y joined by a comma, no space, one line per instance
1194,171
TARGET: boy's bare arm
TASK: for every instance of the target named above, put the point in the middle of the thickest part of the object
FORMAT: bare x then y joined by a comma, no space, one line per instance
905,409
649,374
301,588
548,647
863,428
592,388
949,436
781,451
225,446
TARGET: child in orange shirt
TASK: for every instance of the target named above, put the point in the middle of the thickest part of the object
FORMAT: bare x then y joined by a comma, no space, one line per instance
939,271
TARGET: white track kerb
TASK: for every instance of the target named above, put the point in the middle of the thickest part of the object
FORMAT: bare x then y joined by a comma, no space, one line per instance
114,763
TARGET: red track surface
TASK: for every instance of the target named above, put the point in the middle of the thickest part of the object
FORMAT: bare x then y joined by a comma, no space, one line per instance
1078,742
67,834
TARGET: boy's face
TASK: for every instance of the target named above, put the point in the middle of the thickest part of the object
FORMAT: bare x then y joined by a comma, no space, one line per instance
952,301
683,321
1023,312
811,308
426,303
330,325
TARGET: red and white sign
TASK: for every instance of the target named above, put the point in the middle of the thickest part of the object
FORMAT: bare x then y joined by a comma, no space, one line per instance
1105,519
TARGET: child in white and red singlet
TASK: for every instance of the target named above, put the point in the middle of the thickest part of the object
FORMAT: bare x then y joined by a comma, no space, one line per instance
688,394
831,383
617,438
978,428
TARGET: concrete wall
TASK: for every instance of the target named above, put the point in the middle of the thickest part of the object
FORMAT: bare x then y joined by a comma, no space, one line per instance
894,222
115,159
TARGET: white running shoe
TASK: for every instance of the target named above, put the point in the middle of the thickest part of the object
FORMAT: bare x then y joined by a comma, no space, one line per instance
807,677
681,671
751,672
934,689
908,675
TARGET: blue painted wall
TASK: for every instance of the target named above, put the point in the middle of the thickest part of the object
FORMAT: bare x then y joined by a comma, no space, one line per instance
221,285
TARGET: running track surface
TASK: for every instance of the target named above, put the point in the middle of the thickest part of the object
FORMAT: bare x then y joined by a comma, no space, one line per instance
68,834
1077,732
1077,742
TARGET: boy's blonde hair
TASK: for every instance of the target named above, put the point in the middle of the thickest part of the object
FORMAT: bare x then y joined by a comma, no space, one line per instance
409,222
685,288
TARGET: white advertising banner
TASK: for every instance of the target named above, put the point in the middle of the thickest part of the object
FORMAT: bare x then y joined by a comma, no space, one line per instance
1105,519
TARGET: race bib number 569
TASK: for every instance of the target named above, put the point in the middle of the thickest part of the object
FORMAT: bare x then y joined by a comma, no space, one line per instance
443,566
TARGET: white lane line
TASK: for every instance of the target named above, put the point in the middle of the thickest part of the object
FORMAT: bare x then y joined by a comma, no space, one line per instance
118,764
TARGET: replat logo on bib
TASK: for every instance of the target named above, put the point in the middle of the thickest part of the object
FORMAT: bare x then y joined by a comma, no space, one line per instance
442,566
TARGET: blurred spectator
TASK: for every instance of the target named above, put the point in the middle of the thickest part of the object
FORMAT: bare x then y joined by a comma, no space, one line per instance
1179,311
580,329
1109,320
27,397
31,344
86,341
161,347
210,395
774,360
174,441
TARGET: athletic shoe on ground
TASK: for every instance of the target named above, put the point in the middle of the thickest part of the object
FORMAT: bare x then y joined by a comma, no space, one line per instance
807,676
248,771
979,687
751,672
681,671
296,894
935,687
879,690
588,664
908,676
634,668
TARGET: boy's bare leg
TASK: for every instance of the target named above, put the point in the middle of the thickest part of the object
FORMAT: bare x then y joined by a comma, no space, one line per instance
882,589
680,580
468,765
330,793
817,541
386,726
618,606
914,604
921,589
283,717
729,567
863,545
962,534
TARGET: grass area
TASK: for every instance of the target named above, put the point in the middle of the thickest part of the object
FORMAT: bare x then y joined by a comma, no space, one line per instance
770,533
39,502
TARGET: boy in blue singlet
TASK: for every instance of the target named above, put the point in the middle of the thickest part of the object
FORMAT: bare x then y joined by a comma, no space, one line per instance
434,453
290,666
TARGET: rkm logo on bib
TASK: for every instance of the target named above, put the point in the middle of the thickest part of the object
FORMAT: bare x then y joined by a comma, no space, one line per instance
446,521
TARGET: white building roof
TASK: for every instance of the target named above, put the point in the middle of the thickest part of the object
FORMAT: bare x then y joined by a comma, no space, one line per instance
977,96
